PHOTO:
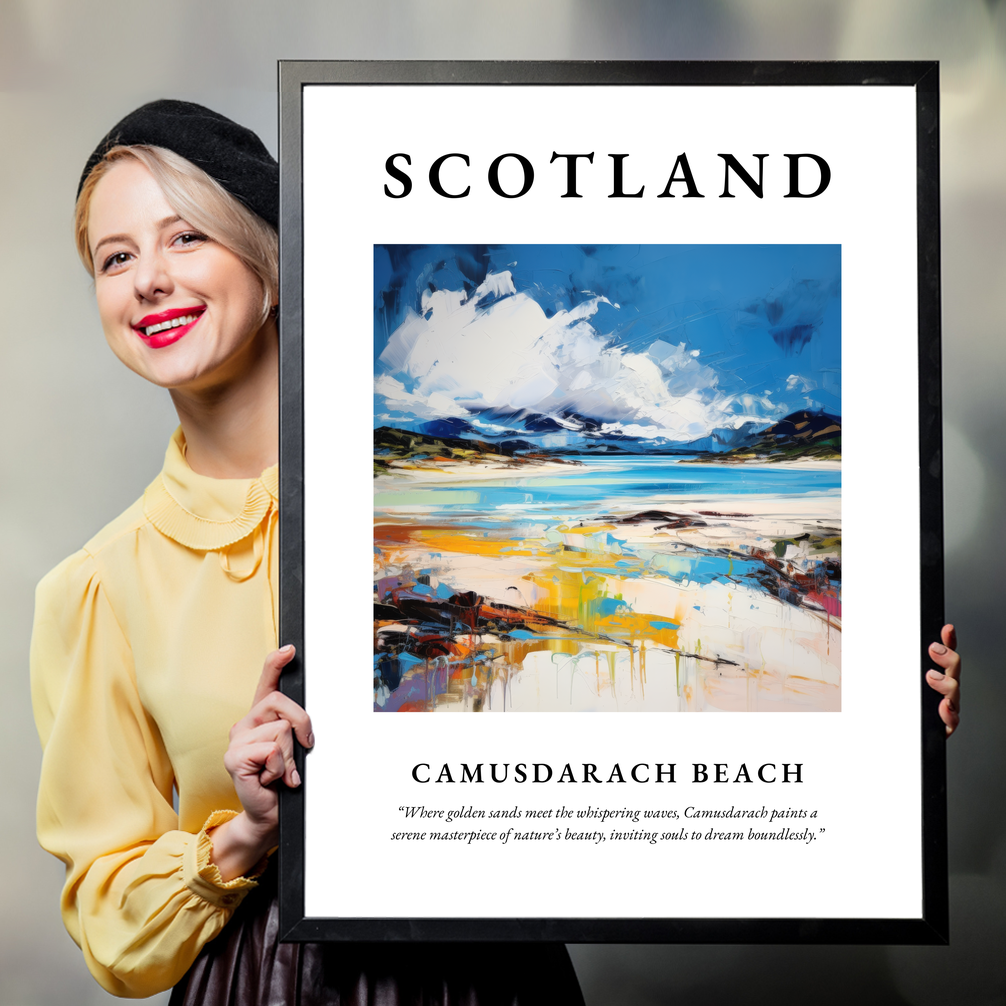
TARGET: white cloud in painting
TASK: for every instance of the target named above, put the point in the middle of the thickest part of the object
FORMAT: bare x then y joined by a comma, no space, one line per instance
434,406
496,351
805,384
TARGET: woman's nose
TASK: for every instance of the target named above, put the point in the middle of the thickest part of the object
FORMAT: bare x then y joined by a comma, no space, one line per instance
152,277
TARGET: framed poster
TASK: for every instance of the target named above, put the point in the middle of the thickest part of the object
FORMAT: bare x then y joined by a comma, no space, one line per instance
587,368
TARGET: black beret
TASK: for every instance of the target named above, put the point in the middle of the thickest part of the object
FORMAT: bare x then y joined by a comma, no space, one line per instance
230,154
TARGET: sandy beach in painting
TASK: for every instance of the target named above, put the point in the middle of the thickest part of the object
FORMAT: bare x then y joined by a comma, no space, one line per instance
658,602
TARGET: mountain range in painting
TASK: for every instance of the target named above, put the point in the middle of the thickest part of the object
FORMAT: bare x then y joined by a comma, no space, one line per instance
803,434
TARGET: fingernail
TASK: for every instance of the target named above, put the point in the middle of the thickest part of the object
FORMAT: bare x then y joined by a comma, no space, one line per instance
295,777
936,676
287,649
938,648
310,740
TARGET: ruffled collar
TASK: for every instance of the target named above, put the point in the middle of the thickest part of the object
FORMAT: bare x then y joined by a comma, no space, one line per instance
203,513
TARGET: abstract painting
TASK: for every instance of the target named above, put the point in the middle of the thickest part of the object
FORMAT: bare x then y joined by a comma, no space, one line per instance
607,478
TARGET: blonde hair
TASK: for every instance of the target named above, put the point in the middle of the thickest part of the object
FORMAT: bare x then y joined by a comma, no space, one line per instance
199,200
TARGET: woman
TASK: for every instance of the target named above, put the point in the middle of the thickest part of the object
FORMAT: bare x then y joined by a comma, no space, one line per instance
149,642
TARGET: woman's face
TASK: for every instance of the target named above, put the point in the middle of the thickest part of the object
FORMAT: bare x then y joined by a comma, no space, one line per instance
177,308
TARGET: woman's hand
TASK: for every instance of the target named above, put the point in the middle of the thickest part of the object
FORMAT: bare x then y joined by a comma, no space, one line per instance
260,753
947,682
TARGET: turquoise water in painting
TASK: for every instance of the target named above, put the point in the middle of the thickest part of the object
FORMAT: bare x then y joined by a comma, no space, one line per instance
601,484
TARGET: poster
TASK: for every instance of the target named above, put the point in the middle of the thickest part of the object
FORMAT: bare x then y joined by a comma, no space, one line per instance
610,429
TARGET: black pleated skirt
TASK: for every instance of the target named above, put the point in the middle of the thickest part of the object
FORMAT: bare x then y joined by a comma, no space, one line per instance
246,965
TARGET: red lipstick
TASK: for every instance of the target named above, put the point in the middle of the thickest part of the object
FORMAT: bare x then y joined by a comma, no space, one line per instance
165,333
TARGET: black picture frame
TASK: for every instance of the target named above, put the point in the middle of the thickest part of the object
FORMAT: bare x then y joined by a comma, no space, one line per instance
932,925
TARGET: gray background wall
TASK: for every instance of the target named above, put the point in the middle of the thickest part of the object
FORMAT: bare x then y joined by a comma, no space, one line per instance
81,436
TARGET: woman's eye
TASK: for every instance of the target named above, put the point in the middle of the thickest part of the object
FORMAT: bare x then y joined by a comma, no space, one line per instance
190,238
114,261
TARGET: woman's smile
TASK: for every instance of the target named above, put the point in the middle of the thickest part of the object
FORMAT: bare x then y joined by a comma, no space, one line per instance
167,327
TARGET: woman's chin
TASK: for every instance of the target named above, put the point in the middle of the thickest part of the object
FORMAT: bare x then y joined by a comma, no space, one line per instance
197,365
173,374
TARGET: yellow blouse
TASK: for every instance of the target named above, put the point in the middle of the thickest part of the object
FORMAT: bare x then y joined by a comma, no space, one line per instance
147,647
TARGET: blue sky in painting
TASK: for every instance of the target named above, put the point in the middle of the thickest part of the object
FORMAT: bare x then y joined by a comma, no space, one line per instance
668,344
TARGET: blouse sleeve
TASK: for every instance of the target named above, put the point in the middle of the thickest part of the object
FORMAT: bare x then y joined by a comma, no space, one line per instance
141,898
